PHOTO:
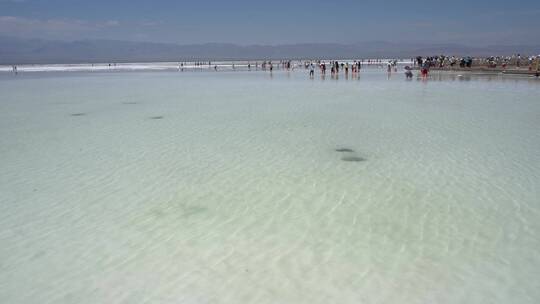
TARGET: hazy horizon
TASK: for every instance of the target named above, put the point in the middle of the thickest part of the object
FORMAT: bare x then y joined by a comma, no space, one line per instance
321,42
43,51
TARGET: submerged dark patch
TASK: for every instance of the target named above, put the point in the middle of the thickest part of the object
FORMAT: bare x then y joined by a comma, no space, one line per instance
156,117
38,254
344,150
188,211
353,159
78,114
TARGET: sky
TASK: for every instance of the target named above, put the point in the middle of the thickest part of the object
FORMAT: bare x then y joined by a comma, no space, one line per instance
471,22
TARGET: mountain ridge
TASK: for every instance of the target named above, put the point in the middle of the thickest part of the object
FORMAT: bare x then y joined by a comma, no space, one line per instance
39,51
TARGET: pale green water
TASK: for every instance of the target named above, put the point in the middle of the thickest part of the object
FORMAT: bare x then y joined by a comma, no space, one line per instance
237,195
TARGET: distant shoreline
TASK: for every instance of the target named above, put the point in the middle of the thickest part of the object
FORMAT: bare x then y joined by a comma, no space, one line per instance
247,65
173,65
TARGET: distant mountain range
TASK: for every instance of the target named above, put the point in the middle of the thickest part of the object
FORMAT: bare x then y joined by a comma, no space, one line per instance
19,51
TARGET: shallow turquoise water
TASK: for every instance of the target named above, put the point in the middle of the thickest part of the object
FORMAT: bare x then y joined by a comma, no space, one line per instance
201,187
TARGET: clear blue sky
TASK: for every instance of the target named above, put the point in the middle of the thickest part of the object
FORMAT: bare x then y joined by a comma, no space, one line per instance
275,22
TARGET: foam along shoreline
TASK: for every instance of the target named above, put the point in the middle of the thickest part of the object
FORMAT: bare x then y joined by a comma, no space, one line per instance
161,66
91,67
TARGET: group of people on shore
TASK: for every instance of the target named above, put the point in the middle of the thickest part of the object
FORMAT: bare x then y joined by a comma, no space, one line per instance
443,61
516,60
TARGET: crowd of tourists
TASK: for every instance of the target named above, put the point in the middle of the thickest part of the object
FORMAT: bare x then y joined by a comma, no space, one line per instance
443,61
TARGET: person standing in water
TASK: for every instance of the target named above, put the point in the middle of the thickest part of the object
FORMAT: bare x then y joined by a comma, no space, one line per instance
311,70
537,65
425,69
408,73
